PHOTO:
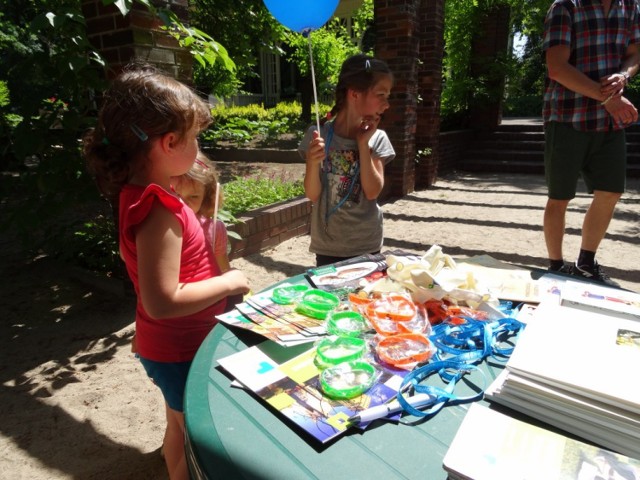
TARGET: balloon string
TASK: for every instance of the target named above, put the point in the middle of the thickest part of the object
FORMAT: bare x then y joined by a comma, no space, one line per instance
313,80
215,216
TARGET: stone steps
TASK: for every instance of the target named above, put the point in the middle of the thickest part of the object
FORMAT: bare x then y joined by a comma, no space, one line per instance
517,146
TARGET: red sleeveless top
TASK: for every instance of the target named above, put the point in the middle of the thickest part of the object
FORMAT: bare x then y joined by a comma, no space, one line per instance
168,339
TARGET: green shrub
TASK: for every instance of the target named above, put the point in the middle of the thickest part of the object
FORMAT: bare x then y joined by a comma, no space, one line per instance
240,125
523,106
94,245
249,193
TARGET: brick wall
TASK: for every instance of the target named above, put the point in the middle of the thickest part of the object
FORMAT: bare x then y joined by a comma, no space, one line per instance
398,45
431,34
409,37
137,36
269,226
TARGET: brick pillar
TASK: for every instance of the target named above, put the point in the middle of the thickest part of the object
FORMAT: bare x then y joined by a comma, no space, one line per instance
137,36
492,40
431,33
409,37
396,42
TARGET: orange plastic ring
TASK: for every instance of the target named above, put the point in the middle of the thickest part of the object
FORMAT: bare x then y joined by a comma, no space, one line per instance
391,350
383,326
393,307
356,299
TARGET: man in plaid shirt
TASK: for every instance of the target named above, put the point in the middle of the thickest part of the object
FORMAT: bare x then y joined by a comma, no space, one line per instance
591,49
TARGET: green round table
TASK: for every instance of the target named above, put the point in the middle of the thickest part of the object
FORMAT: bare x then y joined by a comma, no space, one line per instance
232,434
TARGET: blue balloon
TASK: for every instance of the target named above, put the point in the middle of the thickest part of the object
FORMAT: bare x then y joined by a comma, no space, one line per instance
302,16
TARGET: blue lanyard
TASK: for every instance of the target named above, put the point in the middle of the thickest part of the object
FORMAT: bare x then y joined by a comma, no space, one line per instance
442,395
325,180
465,345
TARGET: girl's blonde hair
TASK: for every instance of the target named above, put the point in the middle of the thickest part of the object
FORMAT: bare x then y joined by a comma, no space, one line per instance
140,104
204,171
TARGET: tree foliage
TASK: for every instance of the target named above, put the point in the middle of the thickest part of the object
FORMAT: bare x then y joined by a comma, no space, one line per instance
52,74
246,27
329,45
524,74
461,20
525,83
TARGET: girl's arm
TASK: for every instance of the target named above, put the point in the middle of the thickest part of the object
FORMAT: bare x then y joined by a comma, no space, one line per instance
314,156
371,169
159,245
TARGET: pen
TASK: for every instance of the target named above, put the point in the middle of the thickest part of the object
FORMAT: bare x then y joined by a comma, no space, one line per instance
381,411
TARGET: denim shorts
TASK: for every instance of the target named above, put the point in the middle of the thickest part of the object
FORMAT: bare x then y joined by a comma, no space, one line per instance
600,157
171,378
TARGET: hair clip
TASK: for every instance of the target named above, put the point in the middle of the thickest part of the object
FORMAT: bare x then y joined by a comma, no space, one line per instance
367,65
202,164
139,133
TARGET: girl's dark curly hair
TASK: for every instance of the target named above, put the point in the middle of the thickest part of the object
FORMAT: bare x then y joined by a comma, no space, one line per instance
141,103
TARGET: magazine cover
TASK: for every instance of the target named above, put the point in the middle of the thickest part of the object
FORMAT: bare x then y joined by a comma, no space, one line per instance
510,449
349,275
600,299
247,318
291,387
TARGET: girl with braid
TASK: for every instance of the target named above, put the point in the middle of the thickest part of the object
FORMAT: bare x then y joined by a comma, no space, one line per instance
345,164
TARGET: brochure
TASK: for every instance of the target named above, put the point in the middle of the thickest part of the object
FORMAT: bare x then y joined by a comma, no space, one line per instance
572,368
289,384
490,445
600,299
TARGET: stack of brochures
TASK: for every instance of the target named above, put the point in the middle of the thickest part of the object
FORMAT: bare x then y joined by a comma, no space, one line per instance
287,379
575,367
511,449
282,323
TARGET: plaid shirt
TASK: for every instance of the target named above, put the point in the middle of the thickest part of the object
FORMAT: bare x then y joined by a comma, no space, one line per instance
598,47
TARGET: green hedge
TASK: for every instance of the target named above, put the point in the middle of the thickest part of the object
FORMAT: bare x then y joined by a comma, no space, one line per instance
240,125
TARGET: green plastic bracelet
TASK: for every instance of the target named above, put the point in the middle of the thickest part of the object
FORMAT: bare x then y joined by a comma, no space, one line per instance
347,379
335,350
346,324
289,294
317,303
320,300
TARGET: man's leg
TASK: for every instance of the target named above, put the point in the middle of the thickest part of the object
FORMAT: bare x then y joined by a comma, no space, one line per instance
596,221
594,227
605,175
565,149
553,225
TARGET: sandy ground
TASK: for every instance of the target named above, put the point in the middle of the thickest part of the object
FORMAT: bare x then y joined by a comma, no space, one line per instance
77,405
